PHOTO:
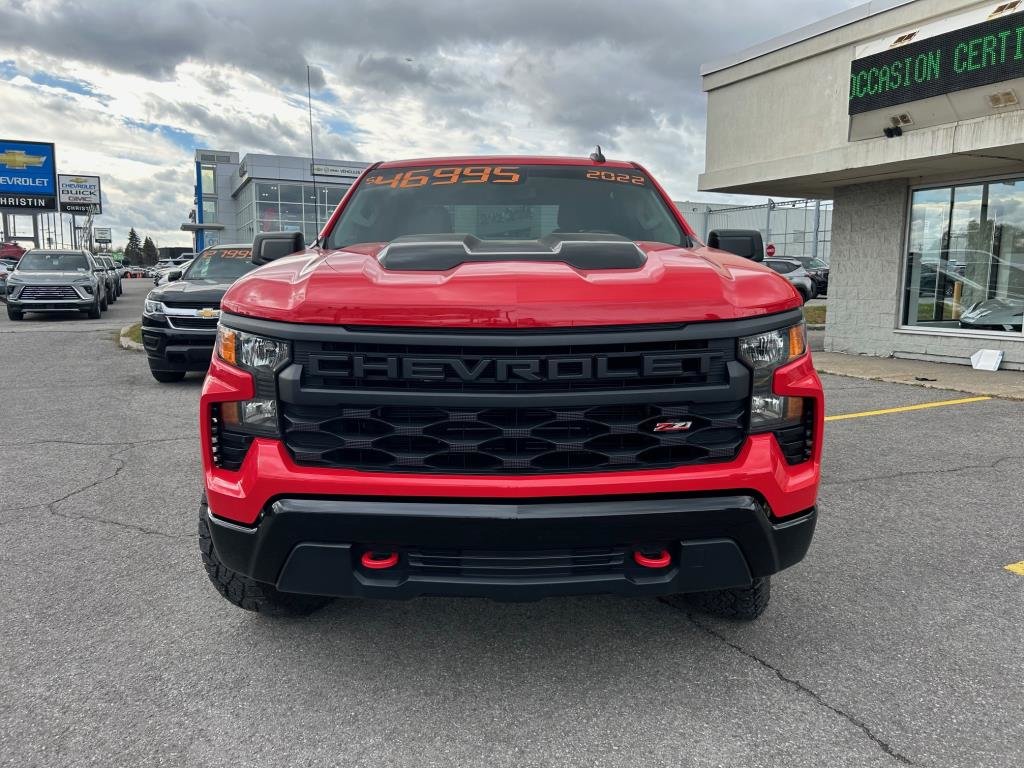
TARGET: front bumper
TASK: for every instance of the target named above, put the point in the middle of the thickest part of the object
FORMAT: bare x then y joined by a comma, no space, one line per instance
512,551
51,305
177,349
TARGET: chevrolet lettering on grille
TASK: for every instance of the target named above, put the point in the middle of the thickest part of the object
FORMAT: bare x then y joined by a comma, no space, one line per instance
510,369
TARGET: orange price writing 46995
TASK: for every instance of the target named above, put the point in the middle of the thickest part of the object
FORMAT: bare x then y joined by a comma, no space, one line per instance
456,174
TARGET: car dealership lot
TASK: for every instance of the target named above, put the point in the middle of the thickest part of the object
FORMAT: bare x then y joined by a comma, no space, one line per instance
896,641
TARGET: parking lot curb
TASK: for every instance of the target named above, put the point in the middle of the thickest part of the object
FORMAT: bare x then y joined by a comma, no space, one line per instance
1007,385
127,343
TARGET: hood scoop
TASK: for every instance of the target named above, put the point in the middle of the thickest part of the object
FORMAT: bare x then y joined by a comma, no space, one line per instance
439,253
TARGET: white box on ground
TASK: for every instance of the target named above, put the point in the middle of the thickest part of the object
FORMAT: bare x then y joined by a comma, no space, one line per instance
987,359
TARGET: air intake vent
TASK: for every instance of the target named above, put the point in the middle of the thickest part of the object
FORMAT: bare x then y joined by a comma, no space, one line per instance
797,443
900,120
438,253
227,448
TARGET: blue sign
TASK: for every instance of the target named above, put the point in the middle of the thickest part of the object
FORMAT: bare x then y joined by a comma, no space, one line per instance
28,174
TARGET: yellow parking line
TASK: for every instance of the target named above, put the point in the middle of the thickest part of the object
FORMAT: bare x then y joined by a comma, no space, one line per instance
905,408
1017,568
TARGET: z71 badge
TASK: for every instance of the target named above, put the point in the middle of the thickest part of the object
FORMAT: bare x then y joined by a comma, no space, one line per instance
673,426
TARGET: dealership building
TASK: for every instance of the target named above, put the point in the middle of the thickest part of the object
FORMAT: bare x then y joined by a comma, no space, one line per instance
909,115
237,197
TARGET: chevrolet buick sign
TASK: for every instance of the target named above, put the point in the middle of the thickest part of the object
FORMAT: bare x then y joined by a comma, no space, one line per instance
79,194
28,176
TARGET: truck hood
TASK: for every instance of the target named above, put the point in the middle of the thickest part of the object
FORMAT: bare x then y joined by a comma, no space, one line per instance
350,287
49,276
208,292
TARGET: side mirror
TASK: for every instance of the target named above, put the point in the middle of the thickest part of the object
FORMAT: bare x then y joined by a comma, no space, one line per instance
747,243
269,246
174,275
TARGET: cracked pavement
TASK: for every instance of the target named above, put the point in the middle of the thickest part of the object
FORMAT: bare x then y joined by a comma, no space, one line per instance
897,641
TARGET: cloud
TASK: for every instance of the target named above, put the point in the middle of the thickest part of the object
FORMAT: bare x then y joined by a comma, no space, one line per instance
129,88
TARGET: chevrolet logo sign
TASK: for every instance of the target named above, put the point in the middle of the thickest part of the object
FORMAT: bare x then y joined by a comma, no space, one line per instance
17,160
208,313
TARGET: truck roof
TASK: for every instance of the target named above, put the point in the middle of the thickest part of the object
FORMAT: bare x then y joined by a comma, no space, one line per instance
506,160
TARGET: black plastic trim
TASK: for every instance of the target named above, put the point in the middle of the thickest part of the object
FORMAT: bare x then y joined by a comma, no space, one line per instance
308,544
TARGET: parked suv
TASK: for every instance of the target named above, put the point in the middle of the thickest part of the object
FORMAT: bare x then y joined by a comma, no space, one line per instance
179,319
109,279
794,272
57,281
114,271
508,377
817,270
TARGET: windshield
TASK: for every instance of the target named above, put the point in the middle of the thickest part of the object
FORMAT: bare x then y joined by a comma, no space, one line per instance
41,261
508,202
220,264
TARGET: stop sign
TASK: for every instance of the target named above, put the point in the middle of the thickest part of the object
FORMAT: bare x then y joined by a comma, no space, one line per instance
770,250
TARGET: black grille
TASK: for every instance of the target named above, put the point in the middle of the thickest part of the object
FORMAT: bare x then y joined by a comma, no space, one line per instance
228,448
401,438
47,293
578,367
197,323
516,565
797,442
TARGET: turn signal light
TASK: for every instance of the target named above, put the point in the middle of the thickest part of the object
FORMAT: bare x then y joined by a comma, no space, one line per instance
226,345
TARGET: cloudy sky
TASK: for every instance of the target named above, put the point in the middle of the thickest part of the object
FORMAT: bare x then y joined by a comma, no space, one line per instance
128,89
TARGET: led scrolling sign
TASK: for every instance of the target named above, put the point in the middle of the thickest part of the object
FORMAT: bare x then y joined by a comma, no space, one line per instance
981,54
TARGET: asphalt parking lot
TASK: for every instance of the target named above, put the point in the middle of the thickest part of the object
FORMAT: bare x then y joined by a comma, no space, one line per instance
897,641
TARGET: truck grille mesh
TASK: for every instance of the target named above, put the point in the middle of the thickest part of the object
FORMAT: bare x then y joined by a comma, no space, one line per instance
400,438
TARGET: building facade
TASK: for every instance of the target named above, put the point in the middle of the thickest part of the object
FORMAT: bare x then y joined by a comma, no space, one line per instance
909,115
237,197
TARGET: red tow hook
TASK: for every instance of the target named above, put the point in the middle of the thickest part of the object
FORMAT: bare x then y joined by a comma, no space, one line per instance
661,559
379,561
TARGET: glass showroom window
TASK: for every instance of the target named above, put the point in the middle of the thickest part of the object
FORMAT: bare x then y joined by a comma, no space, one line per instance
965,260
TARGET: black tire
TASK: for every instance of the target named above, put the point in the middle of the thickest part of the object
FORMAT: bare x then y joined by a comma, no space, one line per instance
14,314
94,312
248,593
104,303
742,604
167,377
112,295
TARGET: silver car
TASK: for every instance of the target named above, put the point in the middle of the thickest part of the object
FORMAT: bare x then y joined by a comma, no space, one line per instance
57,281
799,278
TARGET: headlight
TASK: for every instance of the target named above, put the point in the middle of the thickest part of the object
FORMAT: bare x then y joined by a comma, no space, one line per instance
152,307
247,350
774,348
765,353
251,416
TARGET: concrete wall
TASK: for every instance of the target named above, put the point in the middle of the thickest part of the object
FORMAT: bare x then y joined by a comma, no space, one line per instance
865,279
778,124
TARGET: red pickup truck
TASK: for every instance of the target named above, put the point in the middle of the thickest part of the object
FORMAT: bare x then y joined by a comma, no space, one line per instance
510,377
